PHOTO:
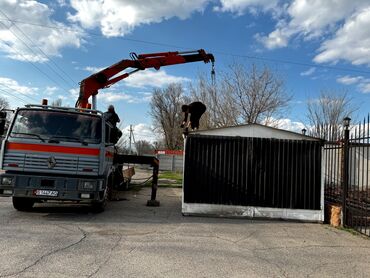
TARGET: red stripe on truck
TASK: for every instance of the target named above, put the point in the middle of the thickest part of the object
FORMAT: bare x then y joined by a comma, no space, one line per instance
52,149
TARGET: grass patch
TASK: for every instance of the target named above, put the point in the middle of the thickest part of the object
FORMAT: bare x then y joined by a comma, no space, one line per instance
170,185
165,179
175,176
350,230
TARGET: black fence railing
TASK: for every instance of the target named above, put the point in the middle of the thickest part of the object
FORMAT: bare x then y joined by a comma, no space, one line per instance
347,175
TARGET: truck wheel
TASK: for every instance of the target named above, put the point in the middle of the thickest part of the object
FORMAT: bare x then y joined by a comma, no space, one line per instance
23,204
98,207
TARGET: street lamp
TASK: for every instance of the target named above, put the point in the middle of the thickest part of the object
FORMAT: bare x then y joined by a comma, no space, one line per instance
345,174
346,122
304,131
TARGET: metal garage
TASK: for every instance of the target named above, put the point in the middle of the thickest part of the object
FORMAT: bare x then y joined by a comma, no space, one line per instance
253,171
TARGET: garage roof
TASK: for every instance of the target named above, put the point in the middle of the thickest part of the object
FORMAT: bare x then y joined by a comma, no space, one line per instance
255,130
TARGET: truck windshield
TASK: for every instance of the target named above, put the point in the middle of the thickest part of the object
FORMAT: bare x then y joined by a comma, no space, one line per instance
57,126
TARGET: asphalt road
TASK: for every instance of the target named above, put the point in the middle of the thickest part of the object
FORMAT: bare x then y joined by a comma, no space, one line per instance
132,240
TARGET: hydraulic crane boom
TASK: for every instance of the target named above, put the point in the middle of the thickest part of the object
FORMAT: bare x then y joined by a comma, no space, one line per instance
105,78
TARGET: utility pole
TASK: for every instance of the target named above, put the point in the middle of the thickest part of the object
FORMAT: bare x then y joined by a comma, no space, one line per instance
132,139
130,150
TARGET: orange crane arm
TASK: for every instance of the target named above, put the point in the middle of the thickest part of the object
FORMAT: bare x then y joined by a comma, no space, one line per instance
105,78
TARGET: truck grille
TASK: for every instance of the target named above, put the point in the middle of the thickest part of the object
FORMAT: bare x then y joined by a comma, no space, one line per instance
39,163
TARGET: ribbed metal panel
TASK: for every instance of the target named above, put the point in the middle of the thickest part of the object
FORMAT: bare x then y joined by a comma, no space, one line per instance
252,172
13,158
64,164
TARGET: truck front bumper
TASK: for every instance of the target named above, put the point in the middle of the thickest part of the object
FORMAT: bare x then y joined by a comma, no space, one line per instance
44,187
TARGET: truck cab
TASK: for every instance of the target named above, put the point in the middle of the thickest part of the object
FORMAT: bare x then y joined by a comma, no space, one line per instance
57,154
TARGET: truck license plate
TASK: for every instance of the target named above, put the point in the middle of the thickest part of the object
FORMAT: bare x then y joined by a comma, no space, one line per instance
50,193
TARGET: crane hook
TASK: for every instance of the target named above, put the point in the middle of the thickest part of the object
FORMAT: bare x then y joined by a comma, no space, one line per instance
213,74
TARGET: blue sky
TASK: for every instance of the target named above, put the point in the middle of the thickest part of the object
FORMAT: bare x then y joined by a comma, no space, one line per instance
47,47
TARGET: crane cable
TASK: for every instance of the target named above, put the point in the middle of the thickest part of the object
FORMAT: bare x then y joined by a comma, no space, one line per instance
213,74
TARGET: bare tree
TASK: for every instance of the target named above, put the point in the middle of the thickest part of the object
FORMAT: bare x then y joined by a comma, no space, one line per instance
221,109
144,147
242,95
259,93
57,103
325,114
165,109
4,104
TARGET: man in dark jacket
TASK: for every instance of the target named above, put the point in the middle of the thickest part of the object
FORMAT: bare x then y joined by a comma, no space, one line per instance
196,110
111,116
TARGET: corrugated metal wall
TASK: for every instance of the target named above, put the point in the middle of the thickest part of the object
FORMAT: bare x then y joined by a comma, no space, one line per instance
252,172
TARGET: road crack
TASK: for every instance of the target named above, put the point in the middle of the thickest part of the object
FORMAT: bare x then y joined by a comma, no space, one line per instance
108,257
83,237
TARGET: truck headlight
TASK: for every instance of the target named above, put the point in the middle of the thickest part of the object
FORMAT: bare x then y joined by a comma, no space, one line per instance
90,185
6,180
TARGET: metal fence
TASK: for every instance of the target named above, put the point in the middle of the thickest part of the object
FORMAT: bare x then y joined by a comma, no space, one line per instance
259,172
347,176
170,162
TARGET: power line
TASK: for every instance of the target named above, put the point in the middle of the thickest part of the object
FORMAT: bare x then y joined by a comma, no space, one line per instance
15,35
36,67
19,92
93,33
47,56
254,57
291,62
12,95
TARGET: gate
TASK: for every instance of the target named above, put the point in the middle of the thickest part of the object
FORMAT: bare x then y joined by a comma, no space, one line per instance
346,175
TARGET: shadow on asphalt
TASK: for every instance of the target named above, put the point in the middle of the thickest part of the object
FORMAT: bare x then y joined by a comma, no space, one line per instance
131,208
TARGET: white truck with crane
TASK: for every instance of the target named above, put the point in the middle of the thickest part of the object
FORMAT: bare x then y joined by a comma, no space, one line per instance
68,154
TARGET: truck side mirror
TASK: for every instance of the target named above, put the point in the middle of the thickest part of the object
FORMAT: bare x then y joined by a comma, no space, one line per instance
2,122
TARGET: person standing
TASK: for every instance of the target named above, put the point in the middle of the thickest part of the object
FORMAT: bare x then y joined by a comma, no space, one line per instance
111,116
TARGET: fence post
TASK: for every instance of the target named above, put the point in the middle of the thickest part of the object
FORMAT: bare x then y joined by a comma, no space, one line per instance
346,123
173,163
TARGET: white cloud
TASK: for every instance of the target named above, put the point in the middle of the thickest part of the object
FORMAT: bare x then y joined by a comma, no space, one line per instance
62,97
349,80
49,91
240,6
275,39
310,19
153,78
350,43
341,27
141,132
62,3
112,97
92,69
308,72
120,17
364,87
290,125
362,83
145,78
74,92
11,84
49,40
146,96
